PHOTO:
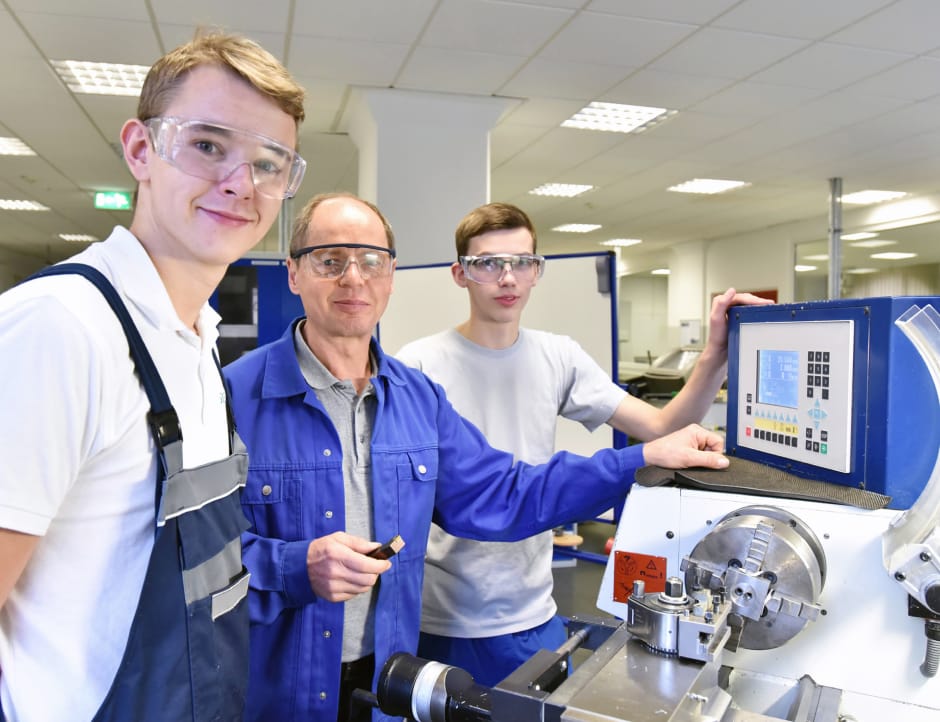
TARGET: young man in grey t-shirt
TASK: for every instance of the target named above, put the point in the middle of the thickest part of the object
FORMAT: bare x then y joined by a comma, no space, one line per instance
488,606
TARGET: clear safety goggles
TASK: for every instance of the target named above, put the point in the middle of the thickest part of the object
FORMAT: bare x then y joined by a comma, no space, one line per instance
491,269
331,261
213,152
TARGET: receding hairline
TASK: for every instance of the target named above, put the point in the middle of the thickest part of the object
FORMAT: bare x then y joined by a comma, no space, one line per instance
303,220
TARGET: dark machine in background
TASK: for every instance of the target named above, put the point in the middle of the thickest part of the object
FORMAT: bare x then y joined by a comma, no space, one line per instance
255,304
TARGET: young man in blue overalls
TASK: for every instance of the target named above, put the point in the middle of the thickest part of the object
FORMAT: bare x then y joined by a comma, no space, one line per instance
122,588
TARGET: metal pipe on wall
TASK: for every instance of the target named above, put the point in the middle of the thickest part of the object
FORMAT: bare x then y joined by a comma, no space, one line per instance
835,238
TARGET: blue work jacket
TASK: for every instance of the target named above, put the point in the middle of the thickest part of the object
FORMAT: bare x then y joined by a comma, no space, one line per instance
428,464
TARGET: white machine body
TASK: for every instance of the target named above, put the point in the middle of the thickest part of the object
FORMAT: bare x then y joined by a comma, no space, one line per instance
862,642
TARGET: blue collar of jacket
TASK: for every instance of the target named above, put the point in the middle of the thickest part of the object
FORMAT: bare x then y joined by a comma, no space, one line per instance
282,375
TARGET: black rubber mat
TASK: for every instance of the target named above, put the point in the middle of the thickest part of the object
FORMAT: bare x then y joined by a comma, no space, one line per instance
749,477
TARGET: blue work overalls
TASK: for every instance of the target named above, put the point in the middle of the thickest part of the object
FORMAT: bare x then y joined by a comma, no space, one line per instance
187,652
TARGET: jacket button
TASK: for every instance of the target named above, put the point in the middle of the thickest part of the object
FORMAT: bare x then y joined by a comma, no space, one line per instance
322,695
327,452
266,490
327,633
422,469
328,514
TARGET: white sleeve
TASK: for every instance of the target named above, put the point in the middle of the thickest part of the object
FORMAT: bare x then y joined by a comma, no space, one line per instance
49,381
591,394
410,354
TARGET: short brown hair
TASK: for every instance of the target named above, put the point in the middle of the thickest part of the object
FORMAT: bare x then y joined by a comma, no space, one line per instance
491,217
298,236
242,56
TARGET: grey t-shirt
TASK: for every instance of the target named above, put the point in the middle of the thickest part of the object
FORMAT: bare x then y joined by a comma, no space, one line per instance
514,396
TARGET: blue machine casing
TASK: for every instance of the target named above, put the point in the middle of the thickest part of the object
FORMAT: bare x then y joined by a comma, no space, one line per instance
894,415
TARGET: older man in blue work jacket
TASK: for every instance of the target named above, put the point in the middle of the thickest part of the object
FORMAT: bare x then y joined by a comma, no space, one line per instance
348,447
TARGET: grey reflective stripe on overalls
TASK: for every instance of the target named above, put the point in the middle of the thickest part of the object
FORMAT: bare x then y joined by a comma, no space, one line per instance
187,653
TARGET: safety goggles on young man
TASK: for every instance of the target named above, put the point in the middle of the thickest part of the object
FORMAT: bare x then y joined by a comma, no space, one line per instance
491,269
213,152
331,261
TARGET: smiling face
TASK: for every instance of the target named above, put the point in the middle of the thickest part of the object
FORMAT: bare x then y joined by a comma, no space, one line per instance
347,307
180,218
501,302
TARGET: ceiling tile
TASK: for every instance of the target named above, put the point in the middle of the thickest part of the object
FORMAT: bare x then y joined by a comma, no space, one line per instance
493,27
351,61
808,19
457,71
14,45
264,17
62,37
727,53
756,100
906,26
174,35
563,79
698,12
828,66
397,22
917,79
660,89
109,9
611,40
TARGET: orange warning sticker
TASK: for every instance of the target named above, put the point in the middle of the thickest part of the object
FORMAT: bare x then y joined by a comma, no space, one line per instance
630,566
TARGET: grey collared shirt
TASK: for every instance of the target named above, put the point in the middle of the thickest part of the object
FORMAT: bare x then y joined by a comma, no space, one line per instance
353,416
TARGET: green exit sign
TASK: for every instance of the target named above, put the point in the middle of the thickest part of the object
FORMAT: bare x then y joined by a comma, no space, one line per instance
113,200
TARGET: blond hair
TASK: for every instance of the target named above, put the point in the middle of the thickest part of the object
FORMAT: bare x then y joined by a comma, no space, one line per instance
244,57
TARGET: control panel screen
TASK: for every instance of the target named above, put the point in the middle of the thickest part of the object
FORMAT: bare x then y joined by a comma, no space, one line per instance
795,391
778,377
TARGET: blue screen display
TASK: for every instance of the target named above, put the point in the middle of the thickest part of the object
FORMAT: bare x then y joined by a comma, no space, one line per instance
778,378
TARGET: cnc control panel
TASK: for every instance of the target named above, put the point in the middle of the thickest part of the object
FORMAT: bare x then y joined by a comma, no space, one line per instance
795,391
833,391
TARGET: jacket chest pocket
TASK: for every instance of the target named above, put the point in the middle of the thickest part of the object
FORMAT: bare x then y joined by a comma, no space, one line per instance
274,501
416,472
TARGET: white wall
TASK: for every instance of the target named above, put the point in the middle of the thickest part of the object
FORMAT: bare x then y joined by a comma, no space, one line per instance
753,261
923,280
643,305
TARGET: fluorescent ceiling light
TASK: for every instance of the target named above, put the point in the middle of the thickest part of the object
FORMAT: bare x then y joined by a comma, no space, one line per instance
621,242
11,205
707,186
873,244
576,227
864,198
14,146
799,268
817,257
660,272
560,190
77,237
893,256
617,118
858,236
860,271
101,78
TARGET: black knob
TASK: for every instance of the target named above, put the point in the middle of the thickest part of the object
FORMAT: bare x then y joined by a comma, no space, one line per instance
932,597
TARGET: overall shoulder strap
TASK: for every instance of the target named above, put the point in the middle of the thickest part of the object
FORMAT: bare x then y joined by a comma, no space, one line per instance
163,420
